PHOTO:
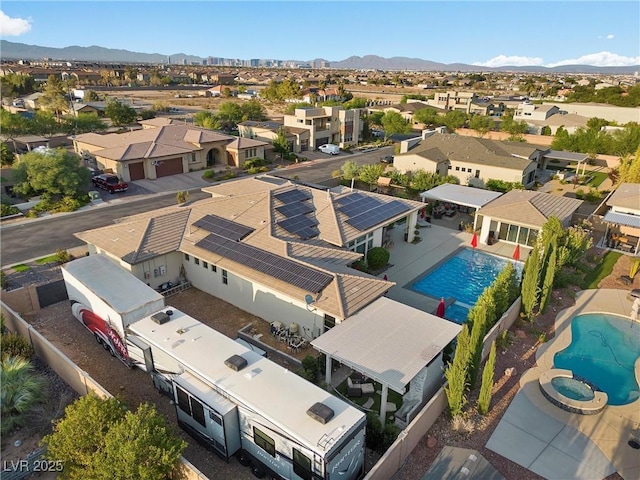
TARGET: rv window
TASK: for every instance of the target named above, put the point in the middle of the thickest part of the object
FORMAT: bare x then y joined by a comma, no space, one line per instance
301,465
197,411
183,400
215,417
264,441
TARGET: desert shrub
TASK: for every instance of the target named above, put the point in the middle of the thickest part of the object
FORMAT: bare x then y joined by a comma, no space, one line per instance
264,169
377,258
14,345
208,174
6,210
229,174
380,438
4,282
253,163
566,277
460,423
504,340
182,196
253,170
62,256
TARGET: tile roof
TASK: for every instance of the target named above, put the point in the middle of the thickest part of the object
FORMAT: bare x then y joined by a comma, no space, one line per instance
440,147
243,142
525,207
627,195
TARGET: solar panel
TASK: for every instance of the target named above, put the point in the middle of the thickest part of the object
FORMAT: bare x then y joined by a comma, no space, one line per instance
284,269
300,225
291,196
377,215
360,206
349,198
292,209
223,227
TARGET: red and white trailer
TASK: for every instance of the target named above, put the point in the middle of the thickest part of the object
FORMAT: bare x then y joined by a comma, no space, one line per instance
107,299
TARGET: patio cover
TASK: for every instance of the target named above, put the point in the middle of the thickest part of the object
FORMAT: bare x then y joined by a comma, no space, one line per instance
622,219
566,156
461,195
388,341
451,460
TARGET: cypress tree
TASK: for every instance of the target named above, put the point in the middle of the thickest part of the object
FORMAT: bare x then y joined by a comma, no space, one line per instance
530,283
484,398
456,375
547,285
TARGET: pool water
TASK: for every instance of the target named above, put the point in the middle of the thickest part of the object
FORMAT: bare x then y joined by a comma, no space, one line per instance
572,388
604,349
464,277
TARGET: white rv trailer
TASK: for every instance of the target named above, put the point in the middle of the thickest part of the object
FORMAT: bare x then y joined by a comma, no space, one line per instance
238,402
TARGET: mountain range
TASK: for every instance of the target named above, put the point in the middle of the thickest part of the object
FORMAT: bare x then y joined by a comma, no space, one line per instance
17,51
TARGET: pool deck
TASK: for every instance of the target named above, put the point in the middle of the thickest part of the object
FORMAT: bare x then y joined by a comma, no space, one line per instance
411,261
557,444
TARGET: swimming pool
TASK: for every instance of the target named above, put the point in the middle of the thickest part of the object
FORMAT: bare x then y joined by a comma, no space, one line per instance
603,351
464,276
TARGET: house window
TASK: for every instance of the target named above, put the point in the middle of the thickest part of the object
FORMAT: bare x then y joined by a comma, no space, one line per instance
449,167
196,261
193,157
186,257
205,264
301,465
329,322
457,169
225,278
477,175
250,153
463,169
214,269
264,441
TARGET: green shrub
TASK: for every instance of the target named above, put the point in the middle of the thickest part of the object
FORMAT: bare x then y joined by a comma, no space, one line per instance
377,258
63,256
566,277
6,210
14,345
504,339
253,163
264,169
253,170
4,282
484,398
310,368
208,175
182,197
229,174
375,433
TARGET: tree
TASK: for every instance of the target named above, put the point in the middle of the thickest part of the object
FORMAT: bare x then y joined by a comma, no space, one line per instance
83,123
56,172
98,438
206,119
484,397
530,283
629,169
370,173
355,103
546,131
229,115
20,391
394,123
512,126
456,374
421,180
280,143
119,113
90,96
252,110
549,274
426,116
454,119
54,97
350,170
7,155
481,124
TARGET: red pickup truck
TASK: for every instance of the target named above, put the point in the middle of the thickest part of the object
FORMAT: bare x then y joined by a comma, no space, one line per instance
109,182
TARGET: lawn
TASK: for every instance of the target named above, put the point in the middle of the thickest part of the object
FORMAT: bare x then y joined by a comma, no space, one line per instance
21,268
50,259
392,397
604,268
598,178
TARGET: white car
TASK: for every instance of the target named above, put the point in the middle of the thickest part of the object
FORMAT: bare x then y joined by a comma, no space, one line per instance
329,148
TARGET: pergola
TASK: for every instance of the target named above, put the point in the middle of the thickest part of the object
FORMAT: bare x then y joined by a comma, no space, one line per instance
460,195
562,156
388,342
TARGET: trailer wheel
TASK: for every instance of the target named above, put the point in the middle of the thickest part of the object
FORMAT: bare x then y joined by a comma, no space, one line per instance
98,339
244,459
257,471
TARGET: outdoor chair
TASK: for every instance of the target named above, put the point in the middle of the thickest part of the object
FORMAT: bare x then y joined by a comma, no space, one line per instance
353,390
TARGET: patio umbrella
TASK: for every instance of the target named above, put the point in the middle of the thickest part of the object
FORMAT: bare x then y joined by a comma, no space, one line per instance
441,308
474,240
516,253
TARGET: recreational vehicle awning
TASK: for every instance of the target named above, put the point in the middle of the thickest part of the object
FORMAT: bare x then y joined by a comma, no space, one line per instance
388,341
460,195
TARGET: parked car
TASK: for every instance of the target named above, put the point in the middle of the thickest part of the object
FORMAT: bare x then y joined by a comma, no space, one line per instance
109,182
377,133
387,159
329,149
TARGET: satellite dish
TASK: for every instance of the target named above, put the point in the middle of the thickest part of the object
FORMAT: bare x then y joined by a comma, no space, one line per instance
309,299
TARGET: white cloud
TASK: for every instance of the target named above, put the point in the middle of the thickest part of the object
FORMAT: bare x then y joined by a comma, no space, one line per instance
611,36
502,60
13,27
602,59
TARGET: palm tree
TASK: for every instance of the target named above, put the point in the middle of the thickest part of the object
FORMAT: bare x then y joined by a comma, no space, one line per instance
20,390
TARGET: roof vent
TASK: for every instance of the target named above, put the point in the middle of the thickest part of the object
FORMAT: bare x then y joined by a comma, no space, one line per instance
160,318
235,362
320,412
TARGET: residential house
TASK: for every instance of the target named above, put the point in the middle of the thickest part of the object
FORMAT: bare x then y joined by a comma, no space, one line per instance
473,160
242,149
529,111
297,138
33,101
269,246
453,100
328,125
222,78
84,108
623,219
518,216
539,116
158,150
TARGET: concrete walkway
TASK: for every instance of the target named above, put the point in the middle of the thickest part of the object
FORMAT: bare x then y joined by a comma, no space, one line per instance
560,445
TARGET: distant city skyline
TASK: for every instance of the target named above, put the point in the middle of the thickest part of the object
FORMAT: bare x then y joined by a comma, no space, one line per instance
489,34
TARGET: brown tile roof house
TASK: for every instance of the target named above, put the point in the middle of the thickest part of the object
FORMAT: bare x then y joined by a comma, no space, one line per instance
266,240
161,148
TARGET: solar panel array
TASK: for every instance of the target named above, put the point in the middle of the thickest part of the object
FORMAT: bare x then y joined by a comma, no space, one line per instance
291,196
292,209
223,227
288,271
365,212
300,225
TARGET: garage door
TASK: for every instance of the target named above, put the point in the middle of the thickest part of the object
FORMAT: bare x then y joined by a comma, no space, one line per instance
169,167
136,171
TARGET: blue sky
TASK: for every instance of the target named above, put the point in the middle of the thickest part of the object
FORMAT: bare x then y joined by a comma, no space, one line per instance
550,33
